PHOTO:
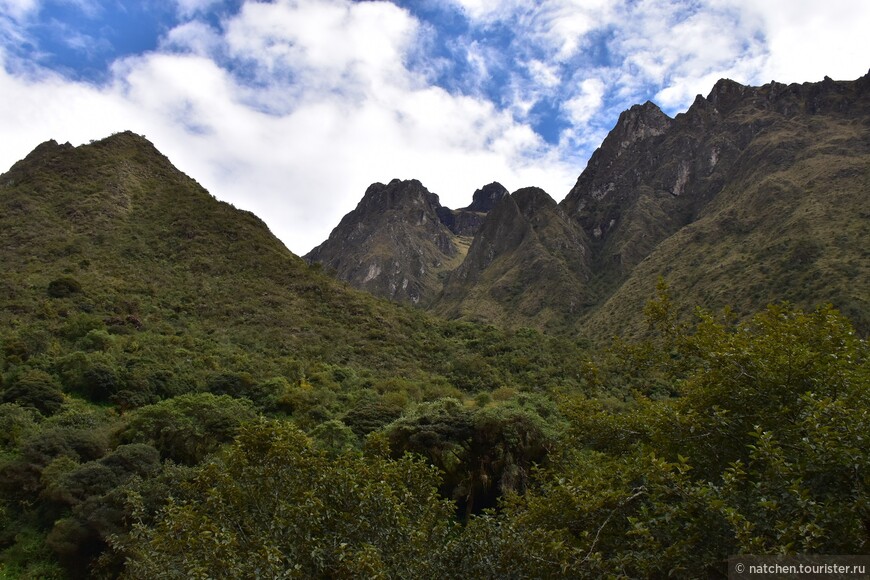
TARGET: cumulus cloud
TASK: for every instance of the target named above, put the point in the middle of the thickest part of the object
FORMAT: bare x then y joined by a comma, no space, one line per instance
292,108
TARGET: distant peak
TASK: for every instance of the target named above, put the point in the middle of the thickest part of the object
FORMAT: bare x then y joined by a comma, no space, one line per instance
531,199
126,138
639,122
725,93
396,194
52,145
47,148
485,198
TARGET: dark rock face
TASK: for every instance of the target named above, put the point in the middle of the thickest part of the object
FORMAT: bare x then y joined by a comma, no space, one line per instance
392,245
485,198
653,175
466,221
400,241
655,184
528,260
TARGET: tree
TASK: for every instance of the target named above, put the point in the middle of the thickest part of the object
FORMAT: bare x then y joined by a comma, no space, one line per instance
483,453
763,452
275,506
187,428
35,389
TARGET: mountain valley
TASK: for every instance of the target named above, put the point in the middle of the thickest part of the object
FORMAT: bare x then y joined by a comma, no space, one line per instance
520,388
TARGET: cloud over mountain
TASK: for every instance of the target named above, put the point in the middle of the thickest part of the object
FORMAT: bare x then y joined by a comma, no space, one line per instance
290,109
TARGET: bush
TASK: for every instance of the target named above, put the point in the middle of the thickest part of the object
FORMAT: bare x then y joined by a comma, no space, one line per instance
77,444
274,503
187,428
37,390
16,423
63,287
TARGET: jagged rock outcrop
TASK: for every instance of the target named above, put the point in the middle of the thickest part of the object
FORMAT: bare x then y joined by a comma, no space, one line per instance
466,221
393,244
400,241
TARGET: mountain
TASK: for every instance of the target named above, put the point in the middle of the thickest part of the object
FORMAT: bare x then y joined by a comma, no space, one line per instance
158,346
142,321
753,195
526,239
110,237
400,241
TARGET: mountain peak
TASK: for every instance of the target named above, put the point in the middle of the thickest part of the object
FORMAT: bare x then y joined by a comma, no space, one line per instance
532,199
399,194
727,94
394,244
637,123
485,198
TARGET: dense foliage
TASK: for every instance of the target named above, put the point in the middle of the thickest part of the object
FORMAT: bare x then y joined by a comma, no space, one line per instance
678,450
181,397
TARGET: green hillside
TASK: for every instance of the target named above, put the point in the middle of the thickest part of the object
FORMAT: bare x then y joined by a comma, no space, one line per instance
135,309
181,397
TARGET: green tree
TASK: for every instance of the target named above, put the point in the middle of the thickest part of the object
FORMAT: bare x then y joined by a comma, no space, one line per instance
275,506
187,428
763,451
35,389
483,453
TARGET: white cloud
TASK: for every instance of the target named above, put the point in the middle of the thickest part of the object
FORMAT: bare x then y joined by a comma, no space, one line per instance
806,39
189,8
291,109
333,108
195,37
587,103
18,9
544,74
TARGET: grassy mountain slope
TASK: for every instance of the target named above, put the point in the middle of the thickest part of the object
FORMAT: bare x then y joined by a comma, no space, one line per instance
179,278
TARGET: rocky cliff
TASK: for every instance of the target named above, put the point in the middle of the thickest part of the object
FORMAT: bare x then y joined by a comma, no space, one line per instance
400,241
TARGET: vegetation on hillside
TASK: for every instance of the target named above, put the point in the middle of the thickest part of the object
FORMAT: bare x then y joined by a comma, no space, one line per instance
180,397
674,453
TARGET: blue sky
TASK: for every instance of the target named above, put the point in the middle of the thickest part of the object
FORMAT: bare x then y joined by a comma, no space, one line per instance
292,108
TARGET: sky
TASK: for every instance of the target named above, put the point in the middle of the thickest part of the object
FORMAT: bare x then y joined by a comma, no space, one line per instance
292,108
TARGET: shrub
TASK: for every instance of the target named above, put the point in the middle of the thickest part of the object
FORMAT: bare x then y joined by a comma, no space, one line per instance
63,287
35,389
274,503
189,427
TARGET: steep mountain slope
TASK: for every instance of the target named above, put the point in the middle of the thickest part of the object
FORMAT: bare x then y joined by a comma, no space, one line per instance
755,194
528,261
111,237
141,321
400,241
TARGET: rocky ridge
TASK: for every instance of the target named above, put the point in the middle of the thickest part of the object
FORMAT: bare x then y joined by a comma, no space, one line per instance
753,195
